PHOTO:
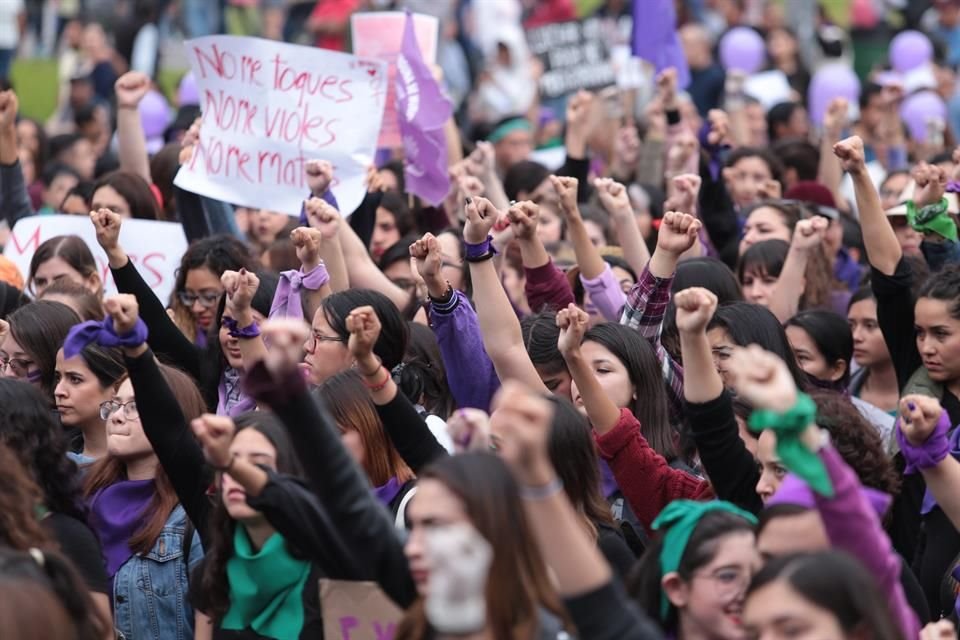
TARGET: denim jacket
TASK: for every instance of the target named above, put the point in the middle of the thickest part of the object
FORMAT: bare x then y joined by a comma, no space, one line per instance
150,591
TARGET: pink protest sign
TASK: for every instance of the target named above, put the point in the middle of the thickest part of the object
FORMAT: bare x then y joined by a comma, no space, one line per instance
380,35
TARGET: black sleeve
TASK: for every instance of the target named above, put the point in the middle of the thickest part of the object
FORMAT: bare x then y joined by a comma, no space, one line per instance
79,544
166,428
895,317
297,514
607,614
729,465
614,548
334,477
580,169
409,433
193,219
365,217
718,214
166,339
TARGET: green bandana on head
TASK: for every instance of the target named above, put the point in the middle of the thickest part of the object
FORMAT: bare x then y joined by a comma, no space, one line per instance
933,218
508,127
796,457
679,519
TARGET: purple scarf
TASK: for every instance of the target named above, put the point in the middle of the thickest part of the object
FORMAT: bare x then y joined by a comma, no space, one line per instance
116,514
386,493
937,447
103,334
286,300
232,400
608,484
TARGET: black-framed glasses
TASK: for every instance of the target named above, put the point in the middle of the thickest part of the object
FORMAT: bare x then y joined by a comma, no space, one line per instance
20,367
110,407
206,299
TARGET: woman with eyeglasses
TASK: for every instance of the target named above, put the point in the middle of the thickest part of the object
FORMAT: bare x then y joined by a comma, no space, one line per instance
215,359
30,339
136,514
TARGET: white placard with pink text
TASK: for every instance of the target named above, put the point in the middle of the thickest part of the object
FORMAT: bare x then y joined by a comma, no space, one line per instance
268,108
155,248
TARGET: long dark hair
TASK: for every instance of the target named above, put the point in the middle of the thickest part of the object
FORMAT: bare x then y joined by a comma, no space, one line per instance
574,455
40,329
834,581
650,407
109,469
41,594
19,498
518,586
831,333
214,586
644,581
87,305
422,377
768,257
28,428
711,274
392,343
540,335
752,324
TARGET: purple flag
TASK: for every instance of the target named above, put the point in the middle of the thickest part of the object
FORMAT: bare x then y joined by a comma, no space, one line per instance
655,37
422,112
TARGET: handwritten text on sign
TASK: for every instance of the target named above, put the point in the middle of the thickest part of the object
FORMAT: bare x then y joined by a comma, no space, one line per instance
270,107
155,248
357,611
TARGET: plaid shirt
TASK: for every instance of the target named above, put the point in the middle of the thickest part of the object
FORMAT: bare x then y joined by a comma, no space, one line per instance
646,305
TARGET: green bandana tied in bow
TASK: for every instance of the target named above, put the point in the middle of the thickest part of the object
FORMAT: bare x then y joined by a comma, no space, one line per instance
266,588
932,218
795,455
679,519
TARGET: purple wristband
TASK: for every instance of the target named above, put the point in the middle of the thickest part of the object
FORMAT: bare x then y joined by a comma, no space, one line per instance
236,332
930,453
479,250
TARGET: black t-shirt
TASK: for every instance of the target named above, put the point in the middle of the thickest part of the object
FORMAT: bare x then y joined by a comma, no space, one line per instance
79,544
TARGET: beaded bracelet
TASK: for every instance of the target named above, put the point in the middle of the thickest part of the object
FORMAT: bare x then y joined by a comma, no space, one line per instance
379,386
548,490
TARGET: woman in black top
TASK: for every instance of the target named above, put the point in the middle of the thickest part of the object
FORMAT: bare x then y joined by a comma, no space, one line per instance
29,429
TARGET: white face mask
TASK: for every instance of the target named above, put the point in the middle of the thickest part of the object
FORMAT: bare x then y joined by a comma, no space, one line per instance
459,560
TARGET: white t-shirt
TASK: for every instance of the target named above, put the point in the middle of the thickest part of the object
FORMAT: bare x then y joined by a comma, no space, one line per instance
10,10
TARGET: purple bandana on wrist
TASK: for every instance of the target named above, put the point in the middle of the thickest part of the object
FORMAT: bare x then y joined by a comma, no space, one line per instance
286,301
931,452
479,249
251,331
103,334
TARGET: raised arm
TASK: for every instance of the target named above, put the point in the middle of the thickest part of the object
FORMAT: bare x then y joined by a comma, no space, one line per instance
616,202
325,218
709,409
14,200
165,337
601,410
240,287
163,421
830,171
499,325
923,436
545,285
807,237
364,274
130,89
583,577
883,249
470,372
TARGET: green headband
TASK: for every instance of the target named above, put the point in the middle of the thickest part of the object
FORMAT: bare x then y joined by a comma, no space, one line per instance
679,519
508,127
795,455
932,218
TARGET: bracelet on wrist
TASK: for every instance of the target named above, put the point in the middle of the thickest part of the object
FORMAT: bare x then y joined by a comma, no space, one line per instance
372,373
379,386
445,298
244,333
480,251
543,492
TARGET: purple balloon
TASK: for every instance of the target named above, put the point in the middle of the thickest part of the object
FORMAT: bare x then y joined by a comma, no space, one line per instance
188,93
834,80
909,50
154,114
742,49
918,109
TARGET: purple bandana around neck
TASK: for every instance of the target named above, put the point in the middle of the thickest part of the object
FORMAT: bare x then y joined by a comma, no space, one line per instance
201,339
386,493
116,513
608,484
237,402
